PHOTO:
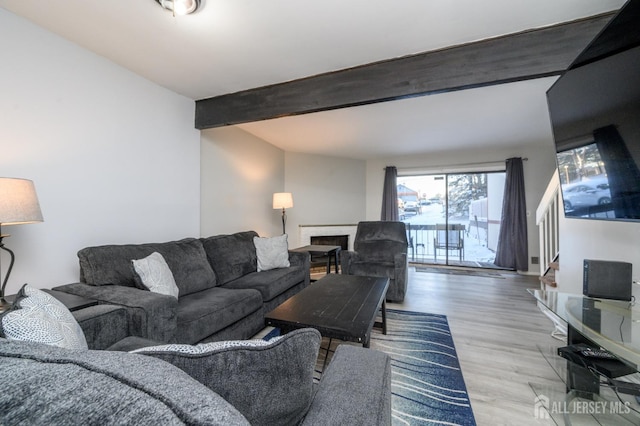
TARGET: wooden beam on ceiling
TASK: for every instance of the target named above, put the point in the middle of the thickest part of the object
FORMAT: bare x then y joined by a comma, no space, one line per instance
531,54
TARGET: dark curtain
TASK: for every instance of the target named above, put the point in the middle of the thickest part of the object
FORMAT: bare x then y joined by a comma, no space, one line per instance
513,251
389,210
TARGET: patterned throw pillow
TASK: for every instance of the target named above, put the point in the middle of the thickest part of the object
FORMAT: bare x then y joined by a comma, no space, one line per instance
272,252
40,318
208,348
155,275
269,382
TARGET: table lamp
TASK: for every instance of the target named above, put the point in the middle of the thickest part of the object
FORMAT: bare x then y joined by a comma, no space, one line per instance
18,205
283,200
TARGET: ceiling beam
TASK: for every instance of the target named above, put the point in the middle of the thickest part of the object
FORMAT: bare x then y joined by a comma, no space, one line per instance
521,56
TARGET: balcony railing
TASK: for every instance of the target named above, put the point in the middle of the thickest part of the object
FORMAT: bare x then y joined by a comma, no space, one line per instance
421,239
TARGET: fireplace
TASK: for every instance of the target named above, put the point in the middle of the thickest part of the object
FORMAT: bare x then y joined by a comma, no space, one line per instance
305,232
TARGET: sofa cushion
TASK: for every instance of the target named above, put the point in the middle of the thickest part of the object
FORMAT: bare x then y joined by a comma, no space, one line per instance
231,256
271,383
111,264
154,275
272,253
356,385
204,313
50,385
39,317
270,283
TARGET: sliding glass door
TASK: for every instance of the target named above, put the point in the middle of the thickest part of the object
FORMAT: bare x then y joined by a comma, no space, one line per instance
452,218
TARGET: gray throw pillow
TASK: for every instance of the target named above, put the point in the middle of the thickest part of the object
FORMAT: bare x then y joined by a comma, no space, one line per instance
155,275
270,383
272,252
38,317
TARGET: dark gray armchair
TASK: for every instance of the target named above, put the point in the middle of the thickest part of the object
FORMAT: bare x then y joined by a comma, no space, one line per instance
380,250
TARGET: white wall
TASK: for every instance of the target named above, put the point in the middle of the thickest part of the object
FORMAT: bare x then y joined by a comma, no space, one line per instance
326,191
537,171
600,240
115,158
240,173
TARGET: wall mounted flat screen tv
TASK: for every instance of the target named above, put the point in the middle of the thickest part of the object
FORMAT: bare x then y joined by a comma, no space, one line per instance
595,115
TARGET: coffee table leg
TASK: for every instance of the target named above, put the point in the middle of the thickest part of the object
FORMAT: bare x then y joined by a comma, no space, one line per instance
382,324
384,316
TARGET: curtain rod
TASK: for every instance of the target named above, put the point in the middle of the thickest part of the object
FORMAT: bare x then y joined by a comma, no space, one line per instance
458,166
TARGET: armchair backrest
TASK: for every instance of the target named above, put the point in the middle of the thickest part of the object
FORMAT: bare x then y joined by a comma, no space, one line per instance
380,240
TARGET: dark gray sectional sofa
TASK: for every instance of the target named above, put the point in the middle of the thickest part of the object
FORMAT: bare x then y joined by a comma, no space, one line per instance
258,385
222,296
240,382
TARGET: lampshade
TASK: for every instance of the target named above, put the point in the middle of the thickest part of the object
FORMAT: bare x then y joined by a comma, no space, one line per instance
18,202
180,7
282,200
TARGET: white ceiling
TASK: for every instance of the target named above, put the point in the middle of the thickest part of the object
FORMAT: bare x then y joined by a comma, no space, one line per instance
232,45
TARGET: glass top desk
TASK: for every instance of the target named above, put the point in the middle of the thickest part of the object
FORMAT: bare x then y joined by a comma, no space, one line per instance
614,325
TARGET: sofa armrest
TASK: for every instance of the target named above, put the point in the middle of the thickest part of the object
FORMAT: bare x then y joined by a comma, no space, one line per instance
354,390
151,315
103,325
303,261
297,258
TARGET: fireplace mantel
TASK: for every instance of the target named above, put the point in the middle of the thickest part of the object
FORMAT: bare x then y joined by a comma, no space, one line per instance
305,232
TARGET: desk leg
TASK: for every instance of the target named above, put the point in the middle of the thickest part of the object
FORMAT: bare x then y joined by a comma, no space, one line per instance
579,379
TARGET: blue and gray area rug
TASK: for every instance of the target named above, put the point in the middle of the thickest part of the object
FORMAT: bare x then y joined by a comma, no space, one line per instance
426,384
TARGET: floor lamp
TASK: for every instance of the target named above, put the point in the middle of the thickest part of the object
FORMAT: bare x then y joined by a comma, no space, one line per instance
283,200
18,205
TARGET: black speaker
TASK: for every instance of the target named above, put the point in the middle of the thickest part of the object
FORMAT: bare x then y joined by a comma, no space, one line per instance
607,280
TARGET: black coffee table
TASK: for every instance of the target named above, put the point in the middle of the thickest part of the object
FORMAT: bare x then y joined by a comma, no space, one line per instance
338,306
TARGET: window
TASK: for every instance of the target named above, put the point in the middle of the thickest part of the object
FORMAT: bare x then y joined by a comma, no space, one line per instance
452,218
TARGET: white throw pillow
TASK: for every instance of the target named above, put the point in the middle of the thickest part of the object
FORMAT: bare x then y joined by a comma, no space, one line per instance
272,252
155,274
38,317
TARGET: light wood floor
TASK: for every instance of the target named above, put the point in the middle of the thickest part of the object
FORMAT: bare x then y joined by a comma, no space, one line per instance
496,328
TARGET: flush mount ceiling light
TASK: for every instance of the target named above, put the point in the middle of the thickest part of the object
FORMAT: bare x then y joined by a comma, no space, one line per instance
180,7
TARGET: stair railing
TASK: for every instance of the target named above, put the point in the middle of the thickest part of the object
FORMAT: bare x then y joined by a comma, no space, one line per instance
547,219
